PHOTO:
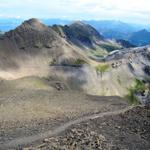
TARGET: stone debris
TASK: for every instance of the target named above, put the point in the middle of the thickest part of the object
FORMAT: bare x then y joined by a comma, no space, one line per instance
76,139
116,64
126,131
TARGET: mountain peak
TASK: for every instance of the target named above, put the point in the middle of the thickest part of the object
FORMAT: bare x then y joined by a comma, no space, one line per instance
33,34
80,34
34,23
143,31
79,23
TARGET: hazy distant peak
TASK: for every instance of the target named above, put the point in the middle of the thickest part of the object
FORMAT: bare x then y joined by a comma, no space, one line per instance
143,31
78,23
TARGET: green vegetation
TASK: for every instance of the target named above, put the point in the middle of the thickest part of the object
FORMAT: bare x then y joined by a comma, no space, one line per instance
110,47
39,84
102,68
138,87
77,62
104,49
80,62
52,61
99,52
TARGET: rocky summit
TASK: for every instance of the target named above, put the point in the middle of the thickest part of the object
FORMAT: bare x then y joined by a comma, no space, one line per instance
80,34
32,33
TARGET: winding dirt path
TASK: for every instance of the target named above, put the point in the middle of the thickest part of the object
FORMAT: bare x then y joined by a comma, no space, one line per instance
21,142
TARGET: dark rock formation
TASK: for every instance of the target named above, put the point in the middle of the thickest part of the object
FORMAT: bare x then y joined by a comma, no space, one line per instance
79,34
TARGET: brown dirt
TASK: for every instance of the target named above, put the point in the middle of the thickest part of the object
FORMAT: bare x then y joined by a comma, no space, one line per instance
125,131
27,112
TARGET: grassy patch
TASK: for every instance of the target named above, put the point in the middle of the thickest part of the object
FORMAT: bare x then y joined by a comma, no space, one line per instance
110,47
80,62
99,52
103,49
39,84
102,68
138,87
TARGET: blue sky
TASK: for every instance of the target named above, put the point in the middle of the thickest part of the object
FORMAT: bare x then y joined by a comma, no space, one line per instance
137,11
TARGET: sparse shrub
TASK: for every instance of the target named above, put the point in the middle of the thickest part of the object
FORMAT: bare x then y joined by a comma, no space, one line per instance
52,62
102,68
138,87
80,62
131,97
38,45
110,47
99,52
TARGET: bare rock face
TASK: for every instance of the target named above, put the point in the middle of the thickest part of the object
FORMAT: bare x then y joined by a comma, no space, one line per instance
80,34
32,33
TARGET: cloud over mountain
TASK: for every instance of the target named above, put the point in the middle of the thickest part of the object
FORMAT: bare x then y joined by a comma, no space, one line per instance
78,9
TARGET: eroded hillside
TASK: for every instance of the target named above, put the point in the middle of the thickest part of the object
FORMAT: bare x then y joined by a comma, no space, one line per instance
54,77
76,55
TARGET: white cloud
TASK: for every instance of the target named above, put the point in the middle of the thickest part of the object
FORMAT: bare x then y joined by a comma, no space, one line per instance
132,10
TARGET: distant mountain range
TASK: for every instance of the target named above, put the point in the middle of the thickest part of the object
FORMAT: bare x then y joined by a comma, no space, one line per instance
138,35
114,29
9,24
140,38
135,34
